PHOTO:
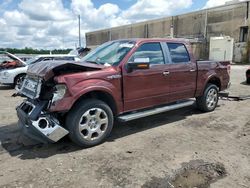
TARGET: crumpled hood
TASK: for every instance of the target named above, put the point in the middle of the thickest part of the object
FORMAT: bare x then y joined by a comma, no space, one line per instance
49,69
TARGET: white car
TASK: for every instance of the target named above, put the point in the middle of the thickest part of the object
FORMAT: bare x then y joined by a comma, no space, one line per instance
16,76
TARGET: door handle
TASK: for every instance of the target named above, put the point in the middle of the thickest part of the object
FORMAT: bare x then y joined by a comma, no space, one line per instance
166,73
192,70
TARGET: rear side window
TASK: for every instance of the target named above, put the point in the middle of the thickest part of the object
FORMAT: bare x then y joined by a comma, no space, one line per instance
152,51
178,53
47,59
64,59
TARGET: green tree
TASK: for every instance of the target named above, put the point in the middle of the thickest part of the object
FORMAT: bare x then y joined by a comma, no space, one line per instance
27,50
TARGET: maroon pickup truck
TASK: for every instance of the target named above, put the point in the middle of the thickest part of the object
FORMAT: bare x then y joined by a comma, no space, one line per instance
122,80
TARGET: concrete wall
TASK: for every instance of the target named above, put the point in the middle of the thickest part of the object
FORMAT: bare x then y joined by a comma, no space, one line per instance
224,20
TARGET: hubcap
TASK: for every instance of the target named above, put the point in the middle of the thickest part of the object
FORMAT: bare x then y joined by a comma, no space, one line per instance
212,98
93,124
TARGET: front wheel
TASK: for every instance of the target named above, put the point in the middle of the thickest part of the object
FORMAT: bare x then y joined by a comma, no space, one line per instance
89,122
208,101
19,81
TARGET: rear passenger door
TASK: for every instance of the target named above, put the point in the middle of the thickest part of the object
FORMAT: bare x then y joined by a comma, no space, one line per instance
182,72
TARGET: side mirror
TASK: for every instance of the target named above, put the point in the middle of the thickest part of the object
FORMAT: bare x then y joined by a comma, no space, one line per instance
138,63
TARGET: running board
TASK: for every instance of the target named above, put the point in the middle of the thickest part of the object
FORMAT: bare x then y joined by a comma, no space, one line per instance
137,115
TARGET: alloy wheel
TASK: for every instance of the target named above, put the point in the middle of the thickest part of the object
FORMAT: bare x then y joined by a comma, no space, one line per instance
212,98
93,124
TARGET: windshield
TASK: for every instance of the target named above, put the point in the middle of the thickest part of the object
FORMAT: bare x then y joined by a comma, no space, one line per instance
110,53
32,60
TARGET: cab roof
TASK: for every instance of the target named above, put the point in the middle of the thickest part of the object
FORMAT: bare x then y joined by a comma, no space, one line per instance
139,40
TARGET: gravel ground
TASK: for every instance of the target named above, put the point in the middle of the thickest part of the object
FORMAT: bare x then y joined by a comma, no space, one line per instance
182,148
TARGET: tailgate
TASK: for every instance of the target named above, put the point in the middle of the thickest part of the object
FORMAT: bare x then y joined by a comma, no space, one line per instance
226,64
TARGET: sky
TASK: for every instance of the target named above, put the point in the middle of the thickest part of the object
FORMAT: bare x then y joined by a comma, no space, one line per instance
50,24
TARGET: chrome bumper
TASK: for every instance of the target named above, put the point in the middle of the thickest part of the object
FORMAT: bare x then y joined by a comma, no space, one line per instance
44,128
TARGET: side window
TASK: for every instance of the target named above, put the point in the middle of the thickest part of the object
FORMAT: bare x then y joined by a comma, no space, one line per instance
58,59
152,51
64,59
70,59
47,59
178,53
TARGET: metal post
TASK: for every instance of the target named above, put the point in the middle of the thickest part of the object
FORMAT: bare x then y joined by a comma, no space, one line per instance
110,35
172,28
205,26
146,31
205,36
79,22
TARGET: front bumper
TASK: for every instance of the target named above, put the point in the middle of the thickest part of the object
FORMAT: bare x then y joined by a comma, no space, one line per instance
5,80
38,125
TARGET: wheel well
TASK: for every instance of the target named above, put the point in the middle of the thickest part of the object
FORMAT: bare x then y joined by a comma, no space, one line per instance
100,95
215,81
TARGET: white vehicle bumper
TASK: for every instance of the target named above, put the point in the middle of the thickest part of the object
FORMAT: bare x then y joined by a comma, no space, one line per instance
6,79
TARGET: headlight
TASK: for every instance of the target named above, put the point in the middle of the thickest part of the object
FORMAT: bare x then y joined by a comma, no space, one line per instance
5,74
59,92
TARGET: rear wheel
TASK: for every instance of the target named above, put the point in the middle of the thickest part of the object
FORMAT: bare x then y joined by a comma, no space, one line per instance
90,122
208,101
248,80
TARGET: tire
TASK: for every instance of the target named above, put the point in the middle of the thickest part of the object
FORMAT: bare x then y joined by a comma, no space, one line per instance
89,122
19,81
209,100
248,80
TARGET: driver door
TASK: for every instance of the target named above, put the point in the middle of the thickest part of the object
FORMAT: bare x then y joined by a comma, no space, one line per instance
148,87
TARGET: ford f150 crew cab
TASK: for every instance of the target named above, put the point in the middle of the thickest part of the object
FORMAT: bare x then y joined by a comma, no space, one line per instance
123,80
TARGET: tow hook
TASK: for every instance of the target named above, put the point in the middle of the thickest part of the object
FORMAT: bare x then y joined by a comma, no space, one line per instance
226,96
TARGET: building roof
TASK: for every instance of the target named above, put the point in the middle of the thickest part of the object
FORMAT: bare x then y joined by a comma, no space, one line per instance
227,5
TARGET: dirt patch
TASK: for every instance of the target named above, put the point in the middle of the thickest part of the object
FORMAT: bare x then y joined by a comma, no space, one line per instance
212,122
195,173
118,174
245,131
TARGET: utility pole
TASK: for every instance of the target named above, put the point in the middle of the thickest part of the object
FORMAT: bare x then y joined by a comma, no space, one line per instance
79,22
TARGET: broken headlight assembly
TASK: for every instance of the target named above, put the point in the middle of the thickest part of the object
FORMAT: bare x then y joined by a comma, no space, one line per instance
59,92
